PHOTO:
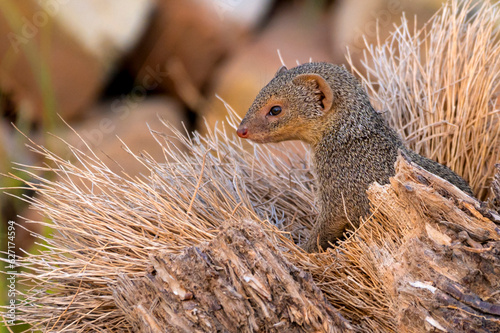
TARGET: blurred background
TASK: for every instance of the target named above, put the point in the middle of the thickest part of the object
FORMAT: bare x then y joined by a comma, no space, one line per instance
110,68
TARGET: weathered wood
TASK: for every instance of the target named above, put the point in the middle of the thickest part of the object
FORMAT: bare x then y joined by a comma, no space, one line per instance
446,276
239,282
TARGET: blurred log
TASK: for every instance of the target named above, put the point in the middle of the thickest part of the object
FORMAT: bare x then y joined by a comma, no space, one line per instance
239,282
57,54
46,65
445,274
183,44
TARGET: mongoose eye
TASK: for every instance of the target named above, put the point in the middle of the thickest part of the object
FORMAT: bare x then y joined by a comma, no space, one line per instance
275,110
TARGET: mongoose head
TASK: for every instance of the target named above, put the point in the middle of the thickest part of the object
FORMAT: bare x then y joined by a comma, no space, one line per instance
296,103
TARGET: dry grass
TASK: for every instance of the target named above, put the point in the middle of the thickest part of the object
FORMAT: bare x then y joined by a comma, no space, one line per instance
106,224
440,86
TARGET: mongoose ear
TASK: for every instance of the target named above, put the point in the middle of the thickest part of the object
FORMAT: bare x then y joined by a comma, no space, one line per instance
320,84
282,69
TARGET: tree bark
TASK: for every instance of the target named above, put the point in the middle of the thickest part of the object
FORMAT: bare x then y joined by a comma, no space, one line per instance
446,276
239,282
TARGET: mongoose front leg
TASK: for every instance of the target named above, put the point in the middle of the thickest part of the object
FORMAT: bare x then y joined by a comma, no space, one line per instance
325,231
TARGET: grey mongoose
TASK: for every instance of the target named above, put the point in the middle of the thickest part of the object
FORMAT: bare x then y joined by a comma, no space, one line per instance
325,106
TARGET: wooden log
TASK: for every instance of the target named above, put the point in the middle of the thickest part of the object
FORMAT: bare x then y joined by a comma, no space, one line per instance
239,282
446,270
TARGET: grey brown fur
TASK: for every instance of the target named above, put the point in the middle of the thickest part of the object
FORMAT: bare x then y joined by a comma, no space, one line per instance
324,105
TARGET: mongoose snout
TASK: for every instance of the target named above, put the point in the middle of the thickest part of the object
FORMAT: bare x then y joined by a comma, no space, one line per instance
242,132
325,106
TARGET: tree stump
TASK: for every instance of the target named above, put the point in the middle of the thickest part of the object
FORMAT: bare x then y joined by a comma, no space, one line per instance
239,282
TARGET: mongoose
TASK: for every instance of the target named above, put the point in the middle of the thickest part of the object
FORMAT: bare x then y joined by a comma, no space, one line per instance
325,106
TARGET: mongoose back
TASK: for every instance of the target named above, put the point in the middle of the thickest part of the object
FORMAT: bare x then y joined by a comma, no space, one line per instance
325,106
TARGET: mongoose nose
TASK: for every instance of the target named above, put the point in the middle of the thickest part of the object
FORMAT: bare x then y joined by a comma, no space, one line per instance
242,132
